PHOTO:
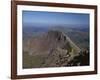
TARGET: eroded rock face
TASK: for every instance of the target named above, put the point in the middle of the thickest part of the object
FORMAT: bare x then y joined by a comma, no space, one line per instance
42,44
54,48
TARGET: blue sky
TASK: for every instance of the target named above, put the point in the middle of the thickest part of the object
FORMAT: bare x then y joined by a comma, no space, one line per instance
55,18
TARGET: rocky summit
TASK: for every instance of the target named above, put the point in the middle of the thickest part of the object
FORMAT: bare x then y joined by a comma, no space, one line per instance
54,49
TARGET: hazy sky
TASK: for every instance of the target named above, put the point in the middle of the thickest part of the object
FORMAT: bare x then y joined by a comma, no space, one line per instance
31,17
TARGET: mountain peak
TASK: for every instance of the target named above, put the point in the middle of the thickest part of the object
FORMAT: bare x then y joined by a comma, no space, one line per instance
52,45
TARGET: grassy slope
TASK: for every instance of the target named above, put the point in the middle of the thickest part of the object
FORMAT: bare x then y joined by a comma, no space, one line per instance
31,61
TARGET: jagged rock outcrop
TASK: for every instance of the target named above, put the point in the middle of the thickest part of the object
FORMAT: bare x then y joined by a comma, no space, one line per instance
55,49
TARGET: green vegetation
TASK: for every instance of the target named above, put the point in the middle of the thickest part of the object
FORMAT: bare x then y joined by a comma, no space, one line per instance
30,61
26,60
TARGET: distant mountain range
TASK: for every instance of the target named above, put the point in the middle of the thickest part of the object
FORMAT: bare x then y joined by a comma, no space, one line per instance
79,35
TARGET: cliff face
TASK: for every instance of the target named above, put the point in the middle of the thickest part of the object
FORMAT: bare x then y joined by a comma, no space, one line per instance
54,48
51,40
